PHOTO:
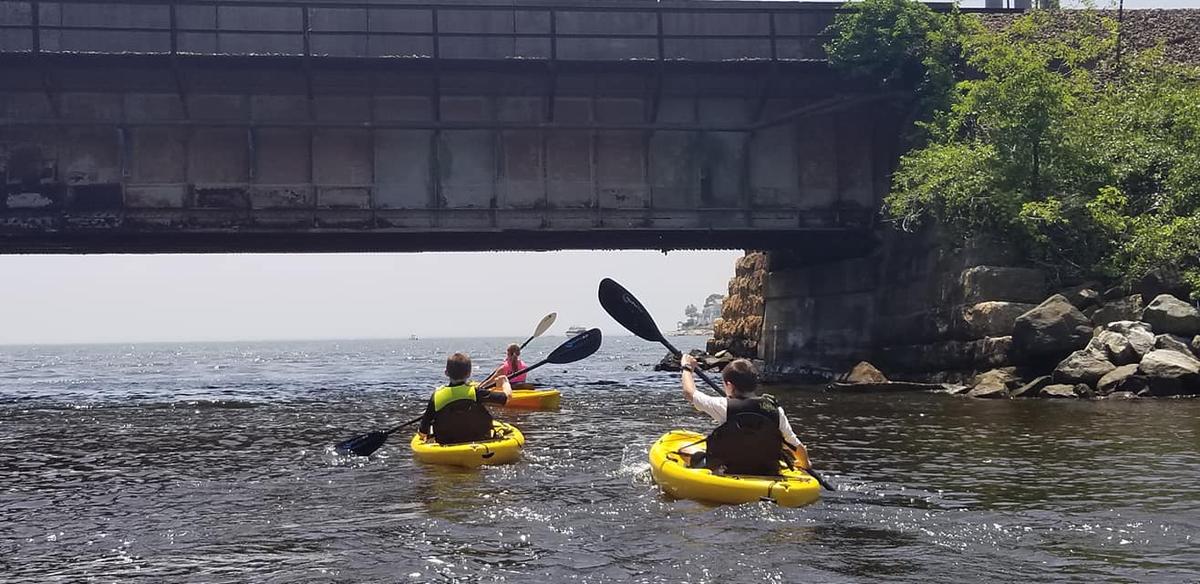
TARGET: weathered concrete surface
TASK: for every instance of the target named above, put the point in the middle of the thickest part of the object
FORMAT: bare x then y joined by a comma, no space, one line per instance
161,155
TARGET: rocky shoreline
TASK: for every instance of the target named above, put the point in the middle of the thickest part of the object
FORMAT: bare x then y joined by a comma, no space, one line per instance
1075,345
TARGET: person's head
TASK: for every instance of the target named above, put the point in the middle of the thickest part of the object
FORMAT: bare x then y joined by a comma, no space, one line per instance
458,367
740,378
513,351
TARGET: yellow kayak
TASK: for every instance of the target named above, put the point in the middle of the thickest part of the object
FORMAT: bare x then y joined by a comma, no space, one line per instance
534,399
792,488
503,447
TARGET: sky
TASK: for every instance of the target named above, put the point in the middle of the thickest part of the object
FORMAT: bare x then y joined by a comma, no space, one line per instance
144,298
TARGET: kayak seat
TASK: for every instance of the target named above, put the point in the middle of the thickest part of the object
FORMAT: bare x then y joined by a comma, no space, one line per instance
464,420
748,443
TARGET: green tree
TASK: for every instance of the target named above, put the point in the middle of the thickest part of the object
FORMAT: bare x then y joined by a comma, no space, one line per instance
1090,169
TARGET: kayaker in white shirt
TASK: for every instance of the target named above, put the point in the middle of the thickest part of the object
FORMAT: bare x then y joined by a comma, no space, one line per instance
741,381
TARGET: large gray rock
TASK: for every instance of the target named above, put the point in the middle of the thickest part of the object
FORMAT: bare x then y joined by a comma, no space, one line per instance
1083,366
984,283
1114,378
1115,347
1168,314
1196,345
1084,295
1061,390
1173,343
992,384
1139,335
1051,330
865,372
1033,388
1127,308
992,319
1171,372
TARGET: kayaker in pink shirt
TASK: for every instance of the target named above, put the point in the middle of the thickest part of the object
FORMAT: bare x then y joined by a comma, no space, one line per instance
512,364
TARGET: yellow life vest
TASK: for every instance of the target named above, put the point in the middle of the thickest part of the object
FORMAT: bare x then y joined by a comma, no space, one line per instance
446,394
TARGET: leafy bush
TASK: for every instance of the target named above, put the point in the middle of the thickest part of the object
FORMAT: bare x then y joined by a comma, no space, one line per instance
1089,168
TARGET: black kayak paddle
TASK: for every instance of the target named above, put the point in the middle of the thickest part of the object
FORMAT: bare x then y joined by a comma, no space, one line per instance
575,349
620,304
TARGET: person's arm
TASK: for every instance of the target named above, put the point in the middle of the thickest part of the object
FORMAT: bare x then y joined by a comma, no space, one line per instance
785,428
688,362
427,419
505,386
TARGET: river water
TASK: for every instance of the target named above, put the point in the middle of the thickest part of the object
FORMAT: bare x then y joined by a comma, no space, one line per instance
213,463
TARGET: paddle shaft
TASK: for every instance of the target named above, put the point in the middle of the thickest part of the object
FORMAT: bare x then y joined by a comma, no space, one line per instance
389,431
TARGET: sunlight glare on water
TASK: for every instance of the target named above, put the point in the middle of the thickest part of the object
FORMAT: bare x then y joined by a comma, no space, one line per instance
214,462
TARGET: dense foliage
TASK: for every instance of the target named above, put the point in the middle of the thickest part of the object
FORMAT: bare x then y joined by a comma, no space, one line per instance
1089,166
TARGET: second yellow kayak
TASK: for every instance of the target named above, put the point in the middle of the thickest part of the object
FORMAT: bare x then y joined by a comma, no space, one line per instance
534,399
669,467
504,447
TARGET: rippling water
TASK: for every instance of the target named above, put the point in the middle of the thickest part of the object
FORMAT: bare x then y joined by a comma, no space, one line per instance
212,463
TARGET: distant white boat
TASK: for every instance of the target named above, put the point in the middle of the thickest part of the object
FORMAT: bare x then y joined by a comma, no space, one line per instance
413,338
575,330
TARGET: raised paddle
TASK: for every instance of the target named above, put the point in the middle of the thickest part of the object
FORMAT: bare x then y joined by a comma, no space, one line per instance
620,304
547,322
576,348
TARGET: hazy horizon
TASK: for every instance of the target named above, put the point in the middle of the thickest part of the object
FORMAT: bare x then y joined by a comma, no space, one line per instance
143,299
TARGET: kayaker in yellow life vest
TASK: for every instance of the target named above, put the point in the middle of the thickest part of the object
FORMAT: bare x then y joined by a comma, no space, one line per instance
455,412
752,429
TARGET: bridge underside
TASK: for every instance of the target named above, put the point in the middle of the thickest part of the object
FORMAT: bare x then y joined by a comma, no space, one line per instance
224,153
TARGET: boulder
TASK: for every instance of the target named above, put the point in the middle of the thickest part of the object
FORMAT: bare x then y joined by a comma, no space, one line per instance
1173,343
1052,329
1168,314
1084,295
1128,308
1196,345
1083,366
1137,333
1161,281
1112,379
1033,388
1114,293
1115,347
1132,384
992,384
1170,373
865,373
992,319
984,283
1059,390
1167,364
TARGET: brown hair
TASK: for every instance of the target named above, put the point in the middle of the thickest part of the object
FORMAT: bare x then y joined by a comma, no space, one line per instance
513,355
458,367
742,375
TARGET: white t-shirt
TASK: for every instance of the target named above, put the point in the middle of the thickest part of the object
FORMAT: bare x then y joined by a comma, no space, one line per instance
715,407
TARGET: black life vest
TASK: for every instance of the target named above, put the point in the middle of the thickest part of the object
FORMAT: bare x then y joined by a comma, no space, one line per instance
749,441
462,420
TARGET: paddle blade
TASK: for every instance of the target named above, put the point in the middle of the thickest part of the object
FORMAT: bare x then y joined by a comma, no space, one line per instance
362,445
625,309
545,325
577,347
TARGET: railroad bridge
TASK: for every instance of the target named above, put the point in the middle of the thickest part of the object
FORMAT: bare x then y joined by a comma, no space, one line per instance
293,125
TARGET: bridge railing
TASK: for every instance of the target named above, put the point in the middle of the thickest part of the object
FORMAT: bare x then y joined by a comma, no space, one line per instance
569,31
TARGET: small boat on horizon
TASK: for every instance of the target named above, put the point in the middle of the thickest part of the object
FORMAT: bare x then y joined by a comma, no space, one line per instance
575,330
413,338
